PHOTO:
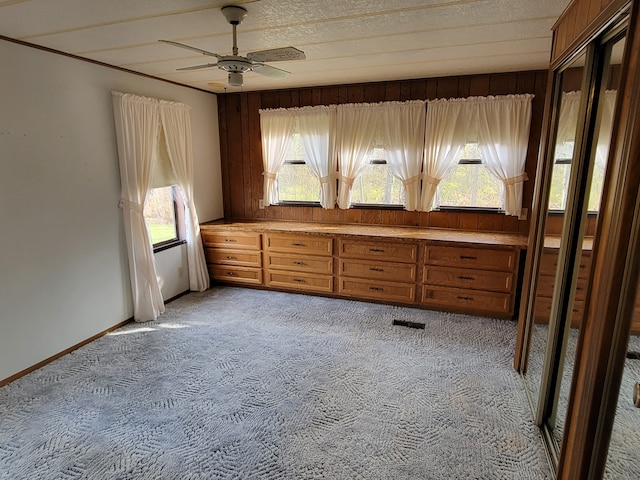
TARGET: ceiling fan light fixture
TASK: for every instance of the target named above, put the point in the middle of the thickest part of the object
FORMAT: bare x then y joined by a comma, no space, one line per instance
235,79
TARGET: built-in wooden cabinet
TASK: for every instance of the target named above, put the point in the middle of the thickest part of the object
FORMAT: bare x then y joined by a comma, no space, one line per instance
379,270
233,257
299,262
546,284
466,272
478,279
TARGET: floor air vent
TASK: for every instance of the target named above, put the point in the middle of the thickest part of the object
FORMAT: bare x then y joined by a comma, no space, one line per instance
406,323
633,355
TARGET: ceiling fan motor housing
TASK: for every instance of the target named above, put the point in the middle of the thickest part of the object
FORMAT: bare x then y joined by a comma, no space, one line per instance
235,64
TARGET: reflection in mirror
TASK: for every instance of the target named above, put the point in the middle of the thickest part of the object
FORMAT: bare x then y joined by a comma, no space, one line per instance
564,277
599,155
570,81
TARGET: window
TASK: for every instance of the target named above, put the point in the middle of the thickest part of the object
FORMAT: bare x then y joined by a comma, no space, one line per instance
470,183
296,182
560,176
376,185
163,213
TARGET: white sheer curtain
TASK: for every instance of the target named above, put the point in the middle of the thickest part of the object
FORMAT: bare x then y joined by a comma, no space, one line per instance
503,134
137,129
317,126
447,131
277,127
356,130
606,127
568,120
404,128
177,133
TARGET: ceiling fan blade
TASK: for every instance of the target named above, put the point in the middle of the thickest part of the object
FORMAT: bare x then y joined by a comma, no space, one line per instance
269,71
198,67
276,55
195,49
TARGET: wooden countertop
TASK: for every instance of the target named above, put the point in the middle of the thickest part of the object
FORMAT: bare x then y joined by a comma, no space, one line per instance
553,242
518,240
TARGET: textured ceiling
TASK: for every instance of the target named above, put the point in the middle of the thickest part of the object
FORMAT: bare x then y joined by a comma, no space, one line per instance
345,41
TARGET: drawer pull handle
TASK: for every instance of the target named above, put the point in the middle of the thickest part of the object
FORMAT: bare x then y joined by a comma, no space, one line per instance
377,250
231,258
468,257
462,277
298,244
299,280
231,274
374,269
230,240
376,289
464,298
298,263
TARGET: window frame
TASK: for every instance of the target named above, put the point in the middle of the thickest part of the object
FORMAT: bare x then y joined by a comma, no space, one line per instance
179,216
468,208
296,203
381,206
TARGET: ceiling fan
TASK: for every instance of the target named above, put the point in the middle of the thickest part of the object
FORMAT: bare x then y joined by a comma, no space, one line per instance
235,64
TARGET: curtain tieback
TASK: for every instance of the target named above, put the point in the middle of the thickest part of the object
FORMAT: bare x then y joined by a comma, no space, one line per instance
269,175
133,206
411,180
327,179
428,179
514,180
347,181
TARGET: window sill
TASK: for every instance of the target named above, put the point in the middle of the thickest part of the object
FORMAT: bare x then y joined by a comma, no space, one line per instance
560,213
375,206
159,247
294,203
468,209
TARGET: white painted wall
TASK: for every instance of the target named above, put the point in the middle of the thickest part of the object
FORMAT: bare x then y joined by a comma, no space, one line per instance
172,271
63,261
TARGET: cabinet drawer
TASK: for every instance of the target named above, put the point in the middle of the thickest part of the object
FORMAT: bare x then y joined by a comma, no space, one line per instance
585,265
542,311
377,289
465,300
298,263
236,240
549,263
473,279
300,281
390,252
299,243
232,274
466,257
225,256
546,284
395,272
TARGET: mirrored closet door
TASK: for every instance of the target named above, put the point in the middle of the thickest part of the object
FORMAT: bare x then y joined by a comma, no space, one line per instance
584,99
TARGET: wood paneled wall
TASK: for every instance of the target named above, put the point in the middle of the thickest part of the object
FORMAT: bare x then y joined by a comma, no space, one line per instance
241,151
578,22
